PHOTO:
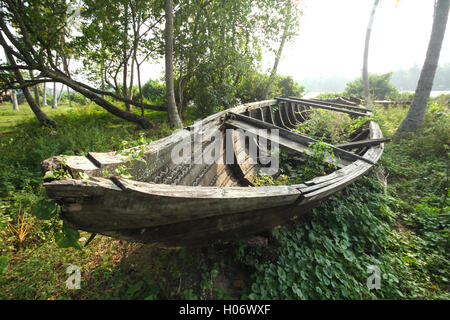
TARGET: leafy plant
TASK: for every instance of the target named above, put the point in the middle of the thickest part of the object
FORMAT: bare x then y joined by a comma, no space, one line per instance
131,155
21,230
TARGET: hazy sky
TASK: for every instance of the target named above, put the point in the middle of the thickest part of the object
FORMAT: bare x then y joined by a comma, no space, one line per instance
332,34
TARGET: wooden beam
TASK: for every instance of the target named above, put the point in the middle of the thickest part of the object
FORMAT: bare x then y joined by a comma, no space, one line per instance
322,106
331,103
293,146
305,140
362,143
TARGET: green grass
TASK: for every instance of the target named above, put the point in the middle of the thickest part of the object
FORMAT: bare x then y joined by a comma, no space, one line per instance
10,118
405,232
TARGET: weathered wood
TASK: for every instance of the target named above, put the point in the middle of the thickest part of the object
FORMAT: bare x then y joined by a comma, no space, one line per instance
291,145
200,202
103,205
305,140
284,116
362,143
323,106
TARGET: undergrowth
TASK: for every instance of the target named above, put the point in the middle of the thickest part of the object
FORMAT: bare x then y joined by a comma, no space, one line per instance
396,219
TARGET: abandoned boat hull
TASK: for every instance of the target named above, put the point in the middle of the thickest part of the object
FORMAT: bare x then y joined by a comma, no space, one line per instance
187,204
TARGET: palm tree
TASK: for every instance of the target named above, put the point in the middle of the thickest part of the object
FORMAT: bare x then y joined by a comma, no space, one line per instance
416,113
365,74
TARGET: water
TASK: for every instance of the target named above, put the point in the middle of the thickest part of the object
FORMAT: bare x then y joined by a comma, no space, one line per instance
433,93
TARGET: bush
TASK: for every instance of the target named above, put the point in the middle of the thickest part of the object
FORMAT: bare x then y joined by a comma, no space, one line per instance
155,92
379,84
253,85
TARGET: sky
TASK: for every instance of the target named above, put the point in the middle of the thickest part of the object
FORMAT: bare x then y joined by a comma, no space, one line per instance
332,35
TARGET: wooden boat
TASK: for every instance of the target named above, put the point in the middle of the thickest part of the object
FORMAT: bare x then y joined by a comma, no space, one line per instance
190,204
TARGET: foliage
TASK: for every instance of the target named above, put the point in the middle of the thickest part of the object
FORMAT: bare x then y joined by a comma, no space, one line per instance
154,91
403,232
219,43
326,255
80,131
402,79
380,87
329,95
131,156
327,125
3,263
296,170
253,85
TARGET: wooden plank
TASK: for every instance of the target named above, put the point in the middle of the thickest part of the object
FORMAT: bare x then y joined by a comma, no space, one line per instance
362,143
284,116
268,115
358,168
305,140
299,113
278,121
103,206
246,166
286,143
291,115
219,228
322,106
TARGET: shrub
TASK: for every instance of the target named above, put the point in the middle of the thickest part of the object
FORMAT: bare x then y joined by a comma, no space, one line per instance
379,84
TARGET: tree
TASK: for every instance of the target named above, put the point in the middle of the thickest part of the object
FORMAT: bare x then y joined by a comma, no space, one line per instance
55,98
172,111
290,20
380,87
39,43
416,113
44,94
113,49
40,115
14,103
365,75
218,44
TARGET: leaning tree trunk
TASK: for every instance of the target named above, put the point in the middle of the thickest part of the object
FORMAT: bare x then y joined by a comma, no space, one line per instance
129,116
15,105
40,115
55,101
277,61
44,100
416,113
68,97
365,74
35,90
172,112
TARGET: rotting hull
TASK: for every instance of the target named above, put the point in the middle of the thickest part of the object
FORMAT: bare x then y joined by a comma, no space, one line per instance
176,205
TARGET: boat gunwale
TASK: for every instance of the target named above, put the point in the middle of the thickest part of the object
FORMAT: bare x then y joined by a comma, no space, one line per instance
352,168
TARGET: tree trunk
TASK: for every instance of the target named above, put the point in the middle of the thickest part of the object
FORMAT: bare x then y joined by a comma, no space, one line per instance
55,101
35,90
105,104
365,74
40,115
60,93
125,58
416,113
68,97
138,70
172,112
44,101
277,61
15,105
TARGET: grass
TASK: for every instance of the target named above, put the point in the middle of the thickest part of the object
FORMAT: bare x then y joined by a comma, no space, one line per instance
402,228
9,118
